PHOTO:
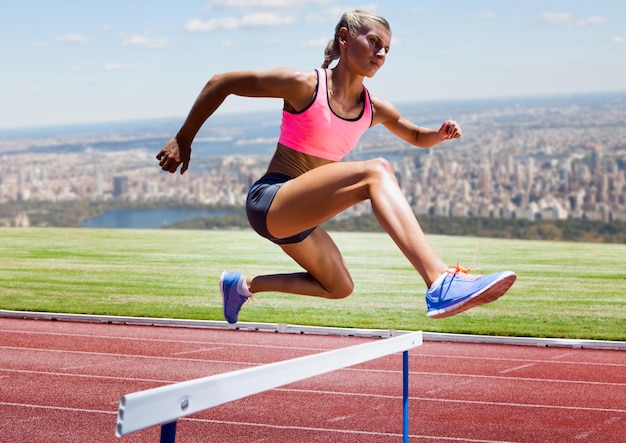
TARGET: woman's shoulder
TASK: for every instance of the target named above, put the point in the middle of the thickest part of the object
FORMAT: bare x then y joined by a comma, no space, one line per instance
383,109
300,87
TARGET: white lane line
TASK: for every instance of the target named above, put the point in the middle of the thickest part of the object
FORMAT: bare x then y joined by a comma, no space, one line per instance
565,354
71,368
196,351
495,377
516,368
452,387
57,408
164,340
460,401
598,427
522,360
126,356
90,376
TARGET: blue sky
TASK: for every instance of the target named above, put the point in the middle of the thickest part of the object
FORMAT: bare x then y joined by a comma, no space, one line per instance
66,62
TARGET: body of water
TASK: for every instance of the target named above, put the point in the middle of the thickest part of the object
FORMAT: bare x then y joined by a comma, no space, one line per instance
147,218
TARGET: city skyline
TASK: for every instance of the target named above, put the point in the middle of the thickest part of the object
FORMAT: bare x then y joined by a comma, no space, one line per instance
535,160
72,62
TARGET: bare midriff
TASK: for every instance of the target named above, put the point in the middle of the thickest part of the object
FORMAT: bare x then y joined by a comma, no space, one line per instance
293,163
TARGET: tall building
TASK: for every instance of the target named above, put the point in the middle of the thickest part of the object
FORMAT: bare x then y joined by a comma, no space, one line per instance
98,185
120,185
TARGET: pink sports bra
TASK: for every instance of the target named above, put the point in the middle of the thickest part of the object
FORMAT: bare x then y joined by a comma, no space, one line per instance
318,131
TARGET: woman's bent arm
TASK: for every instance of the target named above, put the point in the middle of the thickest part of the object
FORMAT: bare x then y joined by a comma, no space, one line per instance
294,87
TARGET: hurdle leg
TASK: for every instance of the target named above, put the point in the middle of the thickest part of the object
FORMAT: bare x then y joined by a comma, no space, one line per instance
168,432
405,396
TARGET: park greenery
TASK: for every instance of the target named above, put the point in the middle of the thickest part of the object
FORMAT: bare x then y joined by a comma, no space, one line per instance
573,290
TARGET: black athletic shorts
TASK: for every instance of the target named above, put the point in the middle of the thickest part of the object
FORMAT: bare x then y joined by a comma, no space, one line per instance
260,197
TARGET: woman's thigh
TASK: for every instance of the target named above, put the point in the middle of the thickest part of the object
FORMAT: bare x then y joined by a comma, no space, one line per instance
318,195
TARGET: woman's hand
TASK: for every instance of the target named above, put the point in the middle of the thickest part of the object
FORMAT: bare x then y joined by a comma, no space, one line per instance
449,130
173,154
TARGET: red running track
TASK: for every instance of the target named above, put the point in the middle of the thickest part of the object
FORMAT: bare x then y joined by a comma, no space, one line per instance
62,381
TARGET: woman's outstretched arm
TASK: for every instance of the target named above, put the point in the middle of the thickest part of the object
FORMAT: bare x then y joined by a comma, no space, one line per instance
387,114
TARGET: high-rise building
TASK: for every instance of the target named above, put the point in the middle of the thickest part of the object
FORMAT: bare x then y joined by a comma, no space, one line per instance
120,185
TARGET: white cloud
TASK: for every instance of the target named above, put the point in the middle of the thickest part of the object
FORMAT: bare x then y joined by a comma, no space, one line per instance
114,67
266,20
214,24
73,39
333,14
483,16
566,20
316,43
248,4
396,40
258,20
618,39
143,40
592,21
329,15
274,42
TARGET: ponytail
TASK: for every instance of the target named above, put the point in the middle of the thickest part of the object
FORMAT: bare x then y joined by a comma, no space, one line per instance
331,52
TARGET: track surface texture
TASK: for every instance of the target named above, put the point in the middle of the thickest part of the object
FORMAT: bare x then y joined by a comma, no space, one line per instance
62,381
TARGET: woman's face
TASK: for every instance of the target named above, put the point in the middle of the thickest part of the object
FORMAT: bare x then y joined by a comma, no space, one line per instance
368,50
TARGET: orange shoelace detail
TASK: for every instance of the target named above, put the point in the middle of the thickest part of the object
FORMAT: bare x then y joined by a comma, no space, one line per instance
458,269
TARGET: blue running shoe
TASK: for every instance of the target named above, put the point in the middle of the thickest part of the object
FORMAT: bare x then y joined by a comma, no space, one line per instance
459,291
232,299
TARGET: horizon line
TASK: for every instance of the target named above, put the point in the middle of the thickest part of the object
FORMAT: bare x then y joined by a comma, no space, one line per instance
226,113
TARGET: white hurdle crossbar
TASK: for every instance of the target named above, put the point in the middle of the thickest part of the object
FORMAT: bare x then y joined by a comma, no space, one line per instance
166,404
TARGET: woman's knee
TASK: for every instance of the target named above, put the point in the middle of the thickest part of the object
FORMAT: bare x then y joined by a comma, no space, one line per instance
337,282
379,171
379,168
340,287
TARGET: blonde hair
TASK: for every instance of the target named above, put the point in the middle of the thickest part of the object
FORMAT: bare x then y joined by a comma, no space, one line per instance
353,21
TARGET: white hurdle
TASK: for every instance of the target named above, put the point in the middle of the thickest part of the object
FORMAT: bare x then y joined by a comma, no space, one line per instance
166,404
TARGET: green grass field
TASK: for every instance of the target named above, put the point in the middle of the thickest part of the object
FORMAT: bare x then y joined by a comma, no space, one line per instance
566,290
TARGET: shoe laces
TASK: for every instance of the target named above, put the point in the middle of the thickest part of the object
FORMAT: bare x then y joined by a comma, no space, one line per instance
458,269
463,273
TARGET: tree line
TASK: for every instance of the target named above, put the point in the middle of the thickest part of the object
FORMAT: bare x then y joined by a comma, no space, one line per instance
553,230
70,214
